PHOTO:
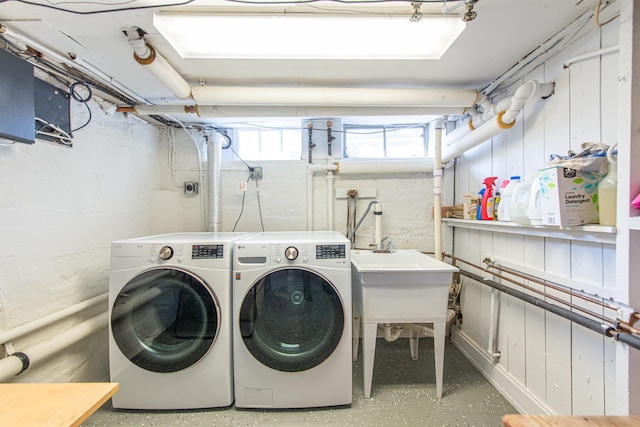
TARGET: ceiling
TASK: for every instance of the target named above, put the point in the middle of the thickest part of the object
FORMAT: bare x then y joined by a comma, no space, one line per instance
91,34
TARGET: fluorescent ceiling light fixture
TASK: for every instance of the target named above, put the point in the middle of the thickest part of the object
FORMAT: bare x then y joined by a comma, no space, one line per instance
306,36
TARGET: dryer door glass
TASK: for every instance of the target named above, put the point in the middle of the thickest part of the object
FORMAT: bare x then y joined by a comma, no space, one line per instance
165,320
291,320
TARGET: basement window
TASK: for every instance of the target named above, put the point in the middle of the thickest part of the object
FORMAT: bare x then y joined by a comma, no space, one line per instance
386,141
269,143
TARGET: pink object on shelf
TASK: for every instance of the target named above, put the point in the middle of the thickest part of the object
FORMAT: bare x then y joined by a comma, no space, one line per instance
636,202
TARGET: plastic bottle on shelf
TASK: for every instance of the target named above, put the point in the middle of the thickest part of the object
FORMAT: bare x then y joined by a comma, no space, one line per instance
479,203
487,198
519,211
497,210
534,210
607,197
504,209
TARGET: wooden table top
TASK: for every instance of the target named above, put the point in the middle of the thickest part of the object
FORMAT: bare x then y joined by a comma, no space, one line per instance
52,404
513,420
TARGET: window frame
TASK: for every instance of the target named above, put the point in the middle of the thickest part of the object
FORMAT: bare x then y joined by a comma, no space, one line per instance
386,129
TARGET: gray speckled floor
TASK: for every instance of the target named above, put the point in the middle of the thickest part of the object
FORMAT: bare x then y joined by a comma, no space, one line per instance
403,393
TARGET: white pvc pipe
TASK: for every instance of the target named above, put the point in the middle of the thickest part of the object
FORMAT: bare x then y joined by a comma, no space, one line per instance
310,198
330,198
51,318
423,331
392,332
11,365
437,192
214,160
158,66
332,96
470,140
350,167
235,111
590,55
377,213
494,120
492,343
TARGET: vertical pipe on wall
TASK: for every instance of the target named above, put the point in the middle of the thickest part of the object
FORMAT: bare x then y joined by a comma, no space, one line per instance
310,198
330,200
437,191
214,160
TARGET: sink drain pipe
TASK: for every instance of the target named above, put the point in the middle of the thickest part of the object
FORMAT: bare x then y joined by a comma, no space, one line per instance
601,328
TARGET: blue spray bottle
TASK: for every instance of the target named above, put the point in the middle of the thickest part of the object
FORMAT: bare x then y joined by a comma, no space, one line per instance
479,204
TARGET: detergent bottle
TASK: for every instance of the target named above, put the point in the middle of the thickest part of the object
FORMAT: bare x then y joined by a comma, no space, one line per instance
479,203
607,191
487,198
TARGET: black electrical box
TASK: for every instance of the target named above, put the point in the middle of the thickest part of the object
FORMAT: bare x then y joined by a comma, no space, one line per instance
17,104
51,107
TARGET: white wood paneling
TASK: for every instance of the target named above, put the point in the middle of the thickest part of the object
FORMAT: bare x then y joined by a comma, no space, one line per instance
565,367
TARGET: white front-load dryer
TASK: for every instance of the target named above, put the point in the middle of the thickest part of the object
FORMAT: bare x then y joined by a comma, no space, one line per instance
292,320
170,321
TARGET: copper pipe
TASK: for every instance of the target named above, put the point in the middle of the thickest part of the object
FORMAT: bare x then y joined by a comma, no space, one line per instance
623,326
552,286
584,310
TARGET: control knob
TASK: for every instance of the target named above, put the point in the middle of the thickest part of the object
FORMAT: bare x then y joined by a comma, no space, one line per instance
166,252
291,253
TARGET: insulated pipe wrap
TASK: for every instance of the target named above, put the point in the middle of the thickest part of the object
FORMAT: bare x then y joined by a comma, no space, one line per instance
562,312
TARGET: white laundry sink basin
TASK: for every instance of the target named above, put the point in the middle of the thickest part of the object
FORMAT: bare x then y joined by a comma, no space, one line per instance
403,267
403,285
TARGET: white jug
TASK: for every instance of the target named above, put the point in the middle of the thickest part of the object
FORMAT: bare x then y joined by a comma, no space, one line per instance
534,211
519,211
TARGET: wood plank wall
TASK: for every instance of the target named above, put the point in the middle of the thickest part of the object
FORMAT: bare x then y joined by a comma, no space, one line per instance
547,363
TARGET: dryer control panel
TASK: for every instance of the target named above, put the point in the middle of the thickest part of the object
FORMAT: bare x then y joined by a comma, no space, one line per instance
331,251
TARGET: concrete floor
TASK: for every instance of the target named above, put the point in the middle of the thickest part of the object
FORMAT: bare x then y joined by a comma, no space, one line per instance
403,393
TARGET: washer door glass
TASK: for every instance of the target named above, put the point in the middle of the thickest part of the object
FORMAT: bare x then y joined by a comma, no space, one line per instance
165,320
291,320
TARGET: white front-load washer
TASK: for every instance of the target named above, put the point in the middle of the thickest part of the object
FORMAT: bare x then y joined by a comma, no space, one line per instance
170,321
292,320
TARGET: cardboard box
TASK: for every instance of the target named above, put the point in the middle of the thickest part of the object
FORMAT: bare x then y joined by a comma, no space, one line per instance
568,196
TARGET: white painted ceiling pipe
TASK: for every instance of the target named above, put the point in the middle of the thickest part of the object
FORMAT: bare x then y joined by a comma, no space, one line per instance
351,167
332,96
158,66
224,111
494,119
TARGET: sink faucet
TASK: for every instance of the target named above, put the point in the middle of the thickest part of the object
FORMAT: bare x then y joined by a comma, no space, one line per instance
386,246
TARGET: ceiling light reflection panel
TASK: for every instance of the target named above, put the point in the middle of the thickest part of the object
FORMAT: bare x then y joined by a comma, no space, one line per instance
308,37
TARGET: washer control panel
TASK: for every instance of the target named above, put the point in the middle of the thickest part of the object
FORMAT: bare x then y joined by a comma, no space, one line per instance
207,251
331,251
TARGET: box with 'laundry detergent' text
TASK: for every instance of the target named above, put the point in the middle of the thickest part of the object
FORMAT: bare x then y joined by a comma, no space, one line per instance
568,196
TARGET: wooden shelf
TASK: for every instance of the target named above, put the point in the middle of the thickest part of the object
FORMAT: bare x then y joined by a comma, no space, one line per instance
589,233
52,405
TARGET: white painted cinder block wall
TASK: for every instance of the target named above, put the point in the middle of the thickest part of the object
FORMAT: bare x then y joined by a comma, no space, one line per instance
546,363
60,208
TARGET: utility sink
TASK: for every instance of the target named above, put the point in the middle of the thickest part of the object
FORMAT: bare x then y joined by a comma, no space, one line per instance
402,268
403,286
